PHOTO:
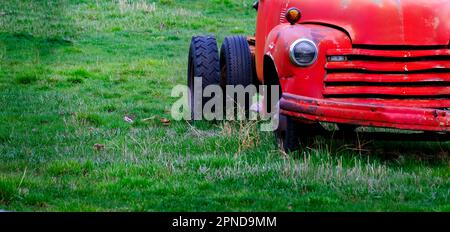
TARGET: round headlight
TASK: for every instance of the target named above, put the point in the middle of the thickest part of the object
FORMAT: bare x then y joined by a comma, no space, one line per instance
303,52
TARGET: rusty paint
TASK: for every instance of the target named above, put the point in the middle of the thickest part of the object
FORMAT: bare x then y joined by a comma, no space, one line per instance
365,114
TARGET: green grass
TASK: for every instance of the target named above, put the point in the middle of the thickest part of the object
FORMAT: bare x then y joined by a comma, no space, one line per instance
70,71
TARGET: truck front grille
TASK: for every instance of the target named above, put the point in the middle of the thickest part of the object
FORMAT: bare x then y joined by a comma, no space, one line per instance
410,76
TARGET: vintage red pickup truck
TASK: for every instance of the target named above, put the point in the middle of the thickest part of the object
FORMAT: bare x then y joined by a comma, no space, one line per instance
374,63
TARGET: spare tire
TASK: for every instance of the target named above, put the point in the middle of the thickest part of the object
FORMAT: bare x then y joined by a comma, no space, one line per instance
203,63
236,64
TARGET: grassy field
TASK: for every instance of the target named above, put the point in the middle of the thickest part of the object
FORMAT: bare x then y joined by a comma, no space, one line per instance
70,71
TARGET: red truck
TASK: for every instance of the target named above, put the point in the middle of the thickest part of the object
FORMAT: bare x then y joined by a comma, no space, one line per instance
371,63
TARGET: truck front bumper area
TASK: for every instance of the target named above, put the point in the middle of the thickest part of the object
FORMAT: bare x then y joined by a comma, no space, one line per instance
374,115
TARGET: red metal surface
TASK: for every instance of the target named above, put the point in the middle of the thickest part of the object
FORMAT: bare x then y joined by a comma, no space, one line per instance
387,78
398,60
389,66
321,110
390,53
421,103
388,90
381,22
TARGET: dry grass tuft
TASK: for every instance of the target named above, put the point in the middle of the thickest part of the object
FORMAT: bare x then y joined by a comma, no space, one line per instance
127,5
247,133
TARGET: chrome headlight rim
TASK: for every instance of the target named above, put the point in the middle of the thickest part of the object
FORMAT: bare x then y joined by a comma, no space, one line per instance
292,55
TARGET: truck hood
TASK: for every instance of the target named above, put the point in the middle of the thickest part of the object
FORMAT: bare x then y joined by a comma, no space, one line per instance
382,22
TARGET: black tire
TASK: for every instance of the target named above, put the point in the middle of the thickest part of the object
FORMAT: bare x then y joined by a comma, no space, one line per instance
280,132
291,140
347,128
297,135
236,64
204,63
